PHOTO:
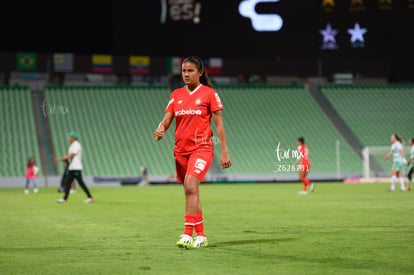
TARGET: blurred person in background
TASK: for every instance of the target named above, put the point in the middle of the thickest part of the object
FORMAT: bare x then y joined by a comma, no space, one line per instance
304,166
74,157
31,174
411,165
193,106
397,153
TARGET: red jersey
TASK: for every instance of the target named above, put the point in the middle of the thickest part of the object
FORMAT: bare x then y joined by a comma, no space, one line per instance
304,153
192,113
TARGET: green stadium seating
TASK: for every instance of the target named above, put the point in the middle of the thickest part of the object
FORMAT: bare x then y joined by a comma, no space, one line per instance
257,118
374,112
17,131
116,127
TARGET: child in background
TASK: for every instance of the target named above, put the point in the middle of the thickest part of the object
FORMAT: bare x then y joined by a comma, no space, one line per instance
31,174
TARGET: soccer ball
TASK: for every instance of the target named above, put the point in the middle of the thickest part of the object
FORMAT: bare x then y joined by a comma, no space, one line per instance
35,170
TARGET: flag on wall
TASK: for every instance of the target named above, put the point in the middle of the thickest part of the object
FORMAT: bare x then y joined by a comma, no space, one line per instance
213,65
26,61
174,65
102,63
139,64
63,62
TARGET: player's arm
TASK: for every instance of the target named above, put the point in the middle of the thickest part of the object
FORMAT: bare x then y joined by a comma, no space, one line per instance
297,161
403,156
218,121
387,156
163,126
68,157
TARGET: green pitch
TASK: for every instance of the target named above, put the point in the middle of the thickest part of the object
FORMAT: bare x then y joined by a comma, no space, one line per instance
252,229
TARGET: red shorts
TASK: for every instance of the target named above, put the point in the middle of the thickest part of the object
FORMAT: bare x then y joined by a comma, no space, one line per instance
305,166
197,164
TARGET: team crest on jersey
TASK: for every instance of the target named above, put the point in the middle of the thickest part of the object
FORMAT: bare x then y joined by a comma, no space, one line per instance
198,101
200,164
179,102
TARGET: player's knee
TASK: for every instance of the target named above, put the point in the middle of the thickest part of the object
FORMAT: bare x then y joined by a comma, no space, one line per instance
191,185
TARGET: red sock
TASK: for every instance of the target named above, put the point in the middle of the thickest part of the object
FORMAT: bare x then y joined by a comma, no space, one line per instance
306,182
189,224
199,227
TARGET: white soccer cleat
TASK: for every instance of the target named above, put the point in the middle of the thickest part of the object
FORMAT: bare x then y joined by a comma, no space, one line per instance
185,241
88,200
36,190
26,191
312,187
200,241
61,200
302,193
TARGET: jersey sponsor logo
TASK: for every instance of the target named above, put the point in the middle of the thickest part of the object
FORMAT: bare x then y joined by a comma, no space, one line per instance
183,112
200,164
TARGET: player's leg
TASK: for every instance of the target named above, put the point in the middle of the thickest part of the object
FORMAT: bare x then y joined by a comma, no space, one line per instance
79,179
410,178
186,239
66,185
303,176
198,165
401,180
393,180
26,188
35,189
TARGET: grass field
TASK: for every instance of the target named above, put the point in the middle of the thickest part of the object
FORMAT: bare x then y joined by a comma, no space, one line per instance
252,229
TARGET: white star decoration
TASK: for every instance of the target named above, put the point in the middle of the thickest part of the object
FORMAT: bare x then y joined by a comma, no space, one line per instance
328,34
357,34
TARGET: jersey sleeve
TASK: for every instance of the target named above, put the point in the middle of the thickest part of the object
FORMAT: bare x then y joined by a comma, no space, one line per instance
215,101
74,149
170,106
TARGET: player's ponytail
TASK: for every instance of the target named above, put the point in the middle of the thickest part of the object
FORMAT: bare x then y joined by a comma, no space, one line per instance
398,138
204,79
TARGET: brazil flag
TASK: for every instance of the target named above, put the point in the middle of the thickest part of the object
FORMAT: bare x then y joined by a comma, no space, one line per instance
26,61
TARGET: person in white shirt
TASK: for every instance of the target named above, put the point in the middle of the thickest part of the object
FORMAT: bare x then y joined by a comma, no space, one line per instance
75,168
411,165
398,160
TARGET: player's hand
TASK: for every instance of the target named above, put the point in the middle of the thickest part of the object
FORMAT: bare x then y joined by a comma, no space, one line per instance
158,134
225,160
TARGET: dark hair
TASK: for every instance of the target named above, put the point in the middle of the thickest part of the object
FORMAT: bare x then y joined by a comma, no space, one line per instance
398,138
302,140
30,162
412,139
200,67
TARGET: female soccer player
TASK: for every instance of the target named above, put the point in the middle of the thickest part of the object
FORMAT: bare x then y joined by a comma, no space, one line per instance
192,106
304,167
411,165
398,157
